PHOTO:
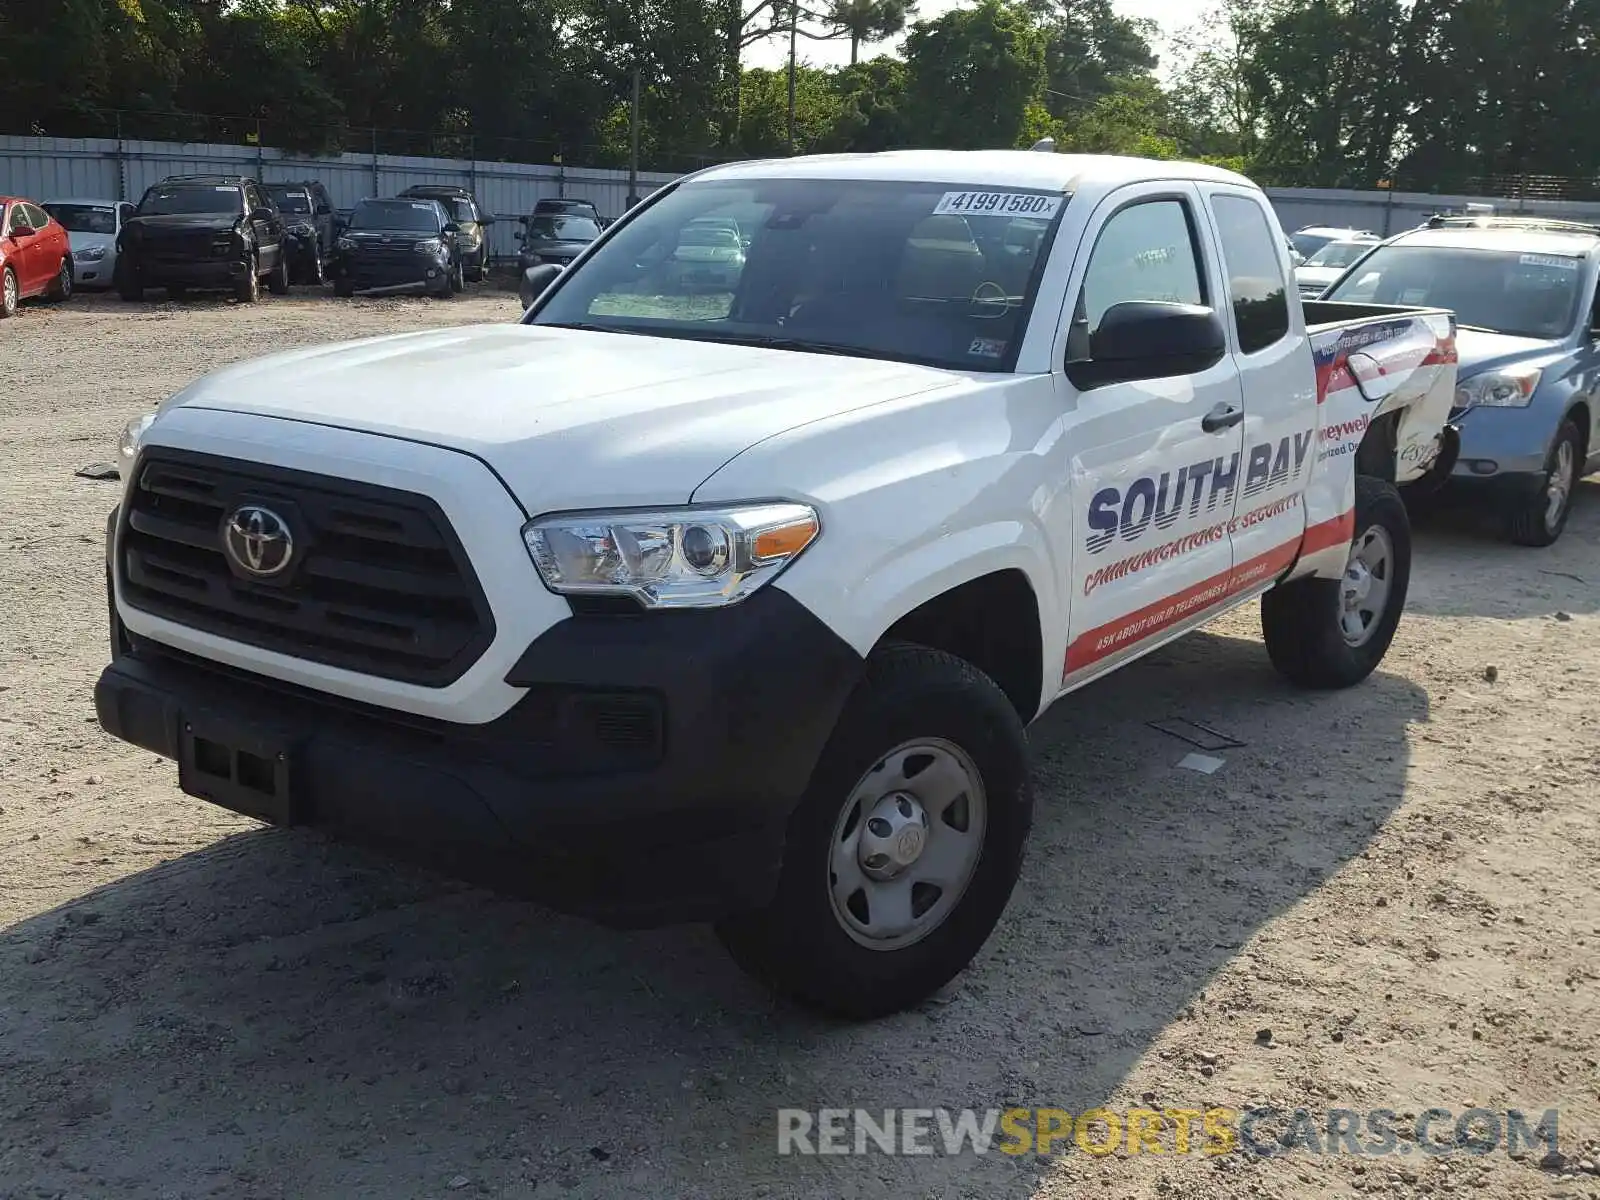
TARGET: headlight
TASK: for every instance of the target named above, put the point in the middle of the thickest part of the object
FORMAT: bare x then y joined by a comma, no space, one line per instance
128,444
345,243
429,246
1511,388
687,558
91,254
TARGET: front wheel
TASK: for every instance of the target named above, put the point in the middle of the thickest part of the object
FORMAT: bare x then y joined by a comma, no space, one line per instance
126,277
278,281
1333,633
1539,519
10,293
902,854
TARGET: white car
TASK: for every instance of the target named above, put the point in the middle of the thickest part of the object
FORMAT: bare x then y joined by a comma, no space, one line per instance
1319,272
1311,238
662,605
92,227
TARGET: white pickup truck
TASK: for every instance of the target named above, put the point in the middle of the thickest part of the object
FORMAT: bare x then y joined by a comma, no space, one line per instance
729,594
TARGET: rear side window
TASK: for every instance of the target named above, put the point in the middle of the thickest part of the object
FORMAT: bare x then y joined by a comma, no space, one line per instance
1255,274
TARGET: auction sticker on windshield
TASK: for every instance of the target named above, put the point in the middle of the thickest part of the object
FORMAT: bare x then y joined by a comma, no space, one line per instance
999,204
1549,260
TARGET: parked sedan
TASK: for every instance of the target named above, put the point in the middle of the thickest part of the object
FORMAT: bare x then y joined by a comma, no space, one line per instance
1327,264
35,255
399,245
710,256
92,227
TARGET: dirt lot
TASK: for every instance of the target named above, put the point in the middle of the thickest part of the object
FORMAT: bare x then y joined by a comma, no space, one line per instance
1400,882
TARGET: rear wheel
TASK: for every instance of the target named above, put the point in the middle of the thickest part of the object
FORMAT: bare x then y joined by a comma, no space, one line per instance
10,293
1332,633
1539,519
247,290
901,856
278,281
343,288
61,285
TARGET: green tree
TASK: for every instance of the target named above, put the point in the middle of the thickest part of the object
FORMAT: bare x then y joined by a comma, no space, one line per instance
970,76
866,21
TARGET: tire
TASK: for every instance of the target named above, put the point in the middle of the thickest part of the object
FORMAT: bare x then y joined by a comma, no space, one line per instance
278,280
61,288
248,289
1311,636
458,277
911,699
10,293
1539,519
343,288
127,280
319,270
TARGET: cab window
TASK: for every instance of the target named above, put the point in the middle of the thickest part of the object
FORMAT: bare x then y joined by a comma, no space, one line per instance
1144,252
1255,272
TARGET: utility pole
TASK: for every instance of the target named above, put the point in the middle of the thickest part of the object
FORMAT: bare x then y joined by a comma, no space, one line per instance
633,140
794,21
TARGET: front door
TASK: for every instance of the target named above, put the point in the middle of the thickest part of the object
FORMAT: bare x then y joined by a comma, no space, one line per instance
1155,463
1280,402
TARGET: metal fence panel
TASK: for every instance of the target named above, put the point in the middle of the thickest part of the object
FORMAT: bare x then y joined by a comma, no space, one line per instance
47,168
1387,213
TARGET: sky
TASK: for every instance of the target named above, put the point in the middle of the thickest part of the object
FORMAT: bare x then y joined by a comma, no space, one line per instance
1169,14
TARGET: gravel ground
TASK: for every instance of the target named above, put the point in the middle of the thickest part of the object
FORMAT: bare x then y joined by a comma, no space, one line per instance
1399,882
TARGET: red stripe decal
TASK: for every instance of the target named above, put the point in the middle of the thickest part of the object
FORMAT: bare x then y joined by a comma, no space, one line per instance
1105,640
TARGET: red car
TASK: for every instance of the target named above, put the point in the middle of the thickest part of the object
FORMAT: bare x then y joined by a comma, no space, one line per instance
35,255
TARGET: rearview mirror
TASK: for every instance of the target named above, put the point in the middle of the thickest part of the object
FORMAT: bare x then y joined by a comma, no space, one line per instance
1150,339
534,281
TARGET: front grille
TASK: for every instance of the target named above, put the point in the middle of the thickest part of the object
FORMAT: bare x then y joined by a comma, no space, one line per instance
378,584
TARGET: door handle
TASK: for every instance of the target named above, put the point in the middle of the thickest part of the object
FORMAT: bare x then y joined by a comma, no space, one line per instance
1223,416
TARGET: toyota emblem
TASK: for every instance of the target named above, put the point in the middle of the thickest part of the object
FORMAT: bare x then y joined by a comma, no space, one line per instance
258,541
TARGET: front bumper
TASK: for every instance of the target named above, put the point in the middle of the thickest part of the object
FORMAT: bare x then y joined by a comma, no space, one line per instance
646,776
197,272
420,271
1497,443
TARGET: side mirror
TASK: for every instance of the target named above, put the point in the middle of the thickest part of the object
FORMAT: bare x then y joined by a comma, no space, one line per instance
486,219
534,281
1150,339
518,234
451,227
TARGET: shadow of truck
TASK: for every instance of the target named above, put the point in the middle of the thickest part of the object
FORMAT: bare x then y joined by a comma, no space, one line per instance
278,1016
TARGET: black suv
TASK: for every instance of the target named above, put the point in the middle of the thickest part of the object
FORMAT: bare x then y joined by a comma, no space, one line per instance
308,224
203,231
469,215
555,238
400,244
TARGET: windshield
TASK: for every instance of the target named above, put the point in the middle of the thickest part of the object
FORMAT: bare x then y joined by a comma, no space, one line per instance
919,272
1339,254
419,216
460,209
563,229
1526,295
291,200
84,218
191,198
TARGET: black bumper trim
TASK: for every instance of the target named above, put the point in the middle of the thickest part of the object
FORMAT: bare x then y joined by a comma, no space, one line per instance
748,697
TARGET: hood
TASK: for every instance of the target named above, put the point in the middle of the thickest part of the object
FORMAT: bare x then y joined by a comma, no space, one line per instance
1479,352
180,224
568,418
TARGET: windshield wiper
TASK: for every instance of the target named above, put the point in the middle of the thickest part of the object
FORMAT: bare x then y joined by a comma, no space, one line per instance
589,326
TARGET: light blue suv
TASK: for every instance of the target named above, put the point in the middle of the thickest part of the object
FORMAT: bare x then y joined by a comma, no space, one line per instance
1528,393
